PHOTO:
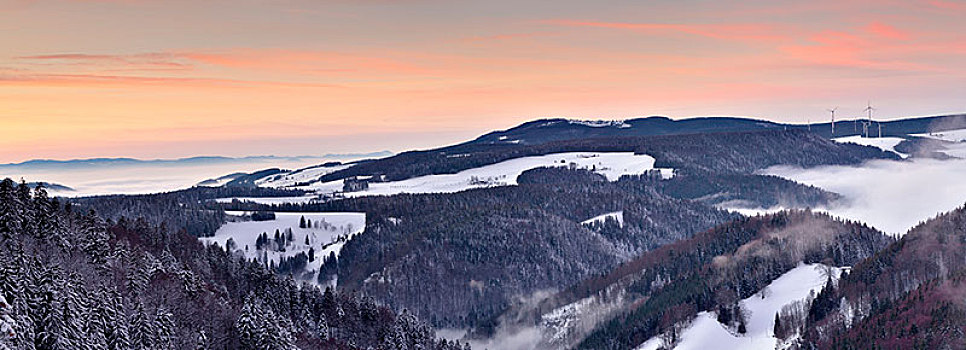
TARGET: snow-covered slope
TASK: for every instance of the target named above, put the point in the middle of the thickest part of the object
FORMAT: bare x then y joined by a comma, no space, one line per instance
958,135
887,144
612,165
301,176
327,234
600,123
706,333
270,200
958,138
617,215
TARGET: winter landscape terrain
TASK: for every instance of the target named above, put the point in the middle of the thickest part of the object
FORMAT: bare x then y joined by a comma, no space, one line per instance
603,226
482,175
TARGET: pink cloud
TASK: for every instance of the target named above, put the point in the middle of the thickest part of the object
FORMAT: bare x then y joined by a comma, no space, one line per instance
127,61
752,32
886,31
99,80
874,46
948,5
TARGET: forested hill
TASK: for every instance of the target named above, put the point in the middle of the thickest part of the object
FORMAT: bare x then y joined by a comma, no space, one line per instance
182,210
463,257
70,280
666,287
912,294
550,130
742,152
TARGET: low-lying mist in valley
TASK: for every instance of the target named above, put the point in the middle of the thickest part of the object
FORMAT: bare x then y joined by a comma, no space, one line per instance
892,196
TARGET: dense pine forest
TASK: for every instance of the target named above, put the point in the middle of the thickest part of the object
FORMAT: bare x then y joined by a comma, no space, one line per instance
71,280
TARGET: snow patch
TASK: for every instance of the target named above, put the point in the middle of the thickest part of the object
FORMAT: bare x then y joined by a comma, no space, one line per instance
270,200
617,215
957,135
298,177
612,165
753,211
327,234
887,144
601,123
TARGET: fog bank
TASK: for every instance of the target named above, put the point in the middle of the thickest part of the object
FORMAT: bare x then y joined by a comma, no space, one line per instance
892,196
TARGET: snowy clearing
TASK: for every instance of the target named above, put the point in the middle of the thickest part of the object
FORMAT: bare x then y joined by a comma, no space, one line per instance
297,177
601,123
887,144
270,200
957,135
753,211
327,234
611,165
706,333
617,215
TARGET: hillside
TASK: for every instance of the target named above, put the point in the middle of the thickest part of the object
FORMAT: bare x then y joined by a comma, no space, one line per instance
550,130
729,152
664,288
459,258
72,281
910,294
478,250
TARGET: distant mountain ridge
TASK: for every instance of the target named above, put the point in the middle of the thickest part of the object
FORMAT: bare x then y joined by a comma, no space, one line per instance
559,129
187,160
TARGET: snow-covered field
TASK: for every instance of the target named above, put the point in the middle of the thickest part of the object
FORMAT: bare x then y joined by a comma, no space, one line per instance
270,200
617,215
887,144
294,178
706,333
753,211
612,165
324,235
958,137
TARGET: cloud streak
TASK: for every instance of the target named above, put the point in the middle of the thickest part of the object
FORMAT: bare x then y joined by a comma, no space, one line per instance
749,32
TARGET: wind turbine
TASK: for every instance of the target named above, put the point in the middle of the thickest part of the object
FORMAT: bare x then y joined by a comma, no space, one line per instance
833,119
869,109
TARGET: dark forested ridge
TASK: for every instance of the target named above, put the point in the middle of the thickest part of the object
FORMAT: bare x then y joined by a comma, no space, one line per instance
549,130
69,280
743,152
186,209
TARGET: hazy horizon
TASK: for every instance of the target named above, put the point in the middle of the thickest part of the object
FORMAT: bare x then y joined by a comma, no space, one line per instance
423,144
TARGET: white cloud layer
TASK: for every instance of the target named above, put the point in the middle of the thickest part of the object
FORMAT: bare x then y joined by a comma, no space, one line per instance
892,196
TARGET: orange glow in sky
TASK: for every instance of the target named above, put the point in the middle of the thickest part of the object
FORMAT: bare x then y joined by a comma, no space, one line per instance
149,79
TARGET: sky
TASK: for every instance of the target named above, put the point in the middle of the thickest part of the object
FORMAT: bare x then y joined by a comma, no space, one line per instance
177,78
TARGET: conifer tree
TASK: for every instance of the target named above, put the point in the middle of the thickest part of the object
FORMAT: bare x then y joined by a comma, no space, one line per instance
9,217
142,329
165,328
